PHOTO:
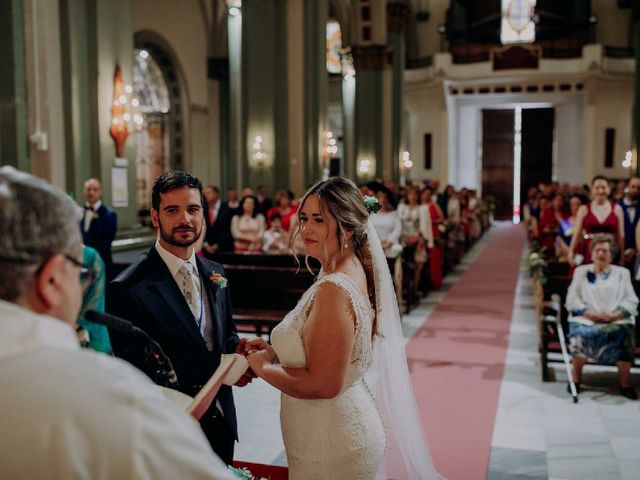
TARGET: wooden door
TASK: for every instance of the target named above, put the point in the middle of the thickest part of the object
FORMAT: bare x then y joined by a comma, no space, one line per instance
497,160
536,163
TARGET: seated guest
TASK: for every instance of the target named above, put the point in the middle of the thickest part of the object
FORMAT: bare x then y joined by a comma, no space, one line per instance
93,287
285,207
248,228
275,239
602,306
67,412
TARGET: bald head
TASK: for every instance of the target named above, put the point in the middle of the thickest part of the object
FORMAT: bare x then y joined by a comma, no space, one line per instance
92,191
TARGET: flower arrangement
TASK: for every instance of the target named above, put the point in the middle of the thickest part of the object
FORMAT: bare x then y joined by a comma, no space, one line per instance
538,266
218,280
242,473
372,204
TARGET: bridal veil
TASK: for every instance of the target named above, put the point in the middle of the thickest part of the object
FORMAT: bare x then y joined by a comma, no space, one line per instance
407,456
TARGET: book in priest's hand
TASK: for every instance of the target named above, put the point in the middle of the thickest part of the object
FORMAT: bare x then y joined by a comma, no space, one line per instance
232,367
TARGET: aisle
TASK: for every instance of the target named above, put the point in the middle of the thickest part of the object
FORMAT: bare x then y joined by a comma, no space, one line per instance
457,358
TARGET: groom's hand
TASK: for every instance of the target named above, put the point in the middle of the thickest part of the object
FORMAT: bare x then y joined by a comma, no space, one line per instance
248,375
246,378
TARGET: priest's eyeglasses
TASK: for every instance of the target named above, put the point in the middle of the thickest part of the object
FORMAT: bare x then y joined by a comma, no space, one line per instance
87,275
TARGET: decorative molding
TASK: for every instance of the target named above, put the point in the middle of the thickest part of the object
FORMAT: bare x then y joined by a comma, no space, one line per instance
516,57
369,57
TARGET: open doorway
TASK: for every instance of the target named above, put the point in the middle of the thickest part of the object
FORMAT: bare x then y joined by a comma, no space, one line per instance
517,153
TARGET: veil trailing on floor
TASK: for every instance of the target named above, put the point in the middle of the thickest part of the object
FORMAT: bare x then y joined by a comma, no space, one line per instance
407,455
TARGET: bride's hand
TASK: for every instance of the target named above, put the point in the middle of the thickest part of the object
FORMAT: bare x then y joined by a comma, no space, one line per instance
258,344
258,359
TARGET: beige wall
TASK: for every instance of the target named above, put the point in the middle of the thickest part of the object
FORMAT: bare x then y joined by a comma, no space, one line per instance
183,26
613,23
426,107
612,99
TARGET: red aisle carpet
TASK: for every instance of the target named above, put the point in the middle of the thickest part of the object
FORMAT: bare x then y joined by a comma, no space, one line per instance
457,358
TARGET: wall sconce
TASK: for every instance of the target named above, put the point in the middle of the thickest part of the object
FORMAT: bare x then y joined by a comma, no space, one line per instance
331,145
259,157
124,109
405,161
118,130
365,167
628,159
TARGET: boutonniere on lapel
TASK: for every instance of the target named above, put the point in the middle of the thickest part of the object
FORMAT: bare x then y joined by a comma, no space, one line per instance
218,280
591,277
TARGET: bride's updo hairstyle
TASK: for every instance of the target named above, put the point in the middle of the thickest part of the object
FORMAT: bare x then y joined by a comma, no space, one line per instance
342,198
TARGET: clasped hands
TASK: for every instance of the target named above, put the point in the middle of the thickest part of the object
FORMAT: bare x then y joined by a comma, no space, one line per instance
602,317
258,354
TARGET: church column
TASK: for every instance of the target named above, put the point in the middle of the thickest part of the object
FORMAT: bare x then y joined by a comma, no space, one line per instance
13,100
348,113
114,47
232,167
265,93
295,74
397,21
78,26
315,85
218,73
369,52
636,108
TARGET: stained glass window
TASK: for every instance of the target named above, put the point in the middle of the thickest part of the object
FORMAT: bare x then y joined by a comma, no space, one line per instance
149,84
334,45
517,21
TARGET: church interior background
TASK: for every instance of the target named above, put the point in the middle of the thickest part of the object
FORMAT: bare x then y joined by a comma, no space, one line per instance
491,95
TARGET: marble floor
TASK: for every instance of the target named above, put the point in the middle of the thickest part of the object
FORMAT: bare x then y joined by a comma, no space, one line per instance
539,432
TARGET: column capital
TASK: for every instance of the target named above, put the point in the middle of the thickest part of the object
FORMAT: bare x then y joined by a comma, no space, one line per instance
369,57
398,15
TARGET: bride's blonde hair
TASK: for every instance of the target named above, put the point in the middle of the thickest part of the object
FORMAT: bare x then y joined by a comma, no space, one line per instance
344,201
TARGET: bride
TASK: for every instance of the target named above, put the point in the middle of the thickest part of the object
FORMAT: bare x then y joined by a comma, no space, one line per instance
348,409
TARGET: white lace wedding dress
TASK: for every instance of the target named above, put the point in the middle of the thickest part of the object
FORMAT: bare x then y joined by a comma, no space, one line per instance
339,438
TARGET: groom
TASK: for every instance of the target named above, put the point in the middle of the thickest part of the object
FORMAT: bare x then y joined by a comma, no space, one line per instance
181,301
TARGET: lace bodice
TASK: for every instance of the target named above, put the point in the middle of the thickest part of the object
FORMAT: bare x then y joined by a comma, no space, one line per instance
340,437
290,348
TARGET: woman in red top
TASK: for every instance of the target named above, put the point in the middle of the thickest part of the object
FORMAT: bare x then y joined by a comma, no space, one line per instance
550,219
600,215
284,206
435,253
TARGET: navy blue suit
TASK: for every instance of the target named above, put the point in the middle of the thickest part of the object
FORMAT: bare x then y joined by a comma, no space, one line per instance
147,295
219,233
101,233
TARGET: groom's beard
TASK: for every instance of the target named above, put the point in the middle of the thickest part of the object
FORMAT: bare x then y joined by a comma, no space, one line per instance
172,238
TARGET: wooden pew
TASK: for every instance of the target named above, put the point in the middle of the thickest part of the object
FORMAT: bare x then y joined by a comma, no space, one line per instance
264,288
